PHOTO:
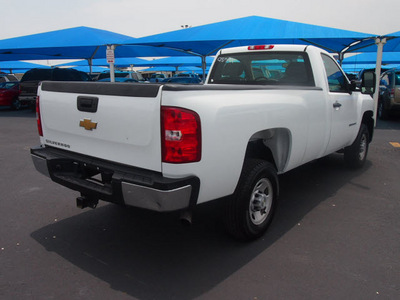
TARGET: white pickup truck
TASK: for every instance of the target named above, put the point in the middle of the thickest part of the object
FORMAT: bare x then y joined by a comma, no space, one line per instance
263,111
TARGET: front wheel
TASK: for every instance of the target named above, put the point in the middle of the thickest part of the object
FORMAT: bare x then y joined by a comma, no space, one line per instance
383,113
16,104
356,154
249,211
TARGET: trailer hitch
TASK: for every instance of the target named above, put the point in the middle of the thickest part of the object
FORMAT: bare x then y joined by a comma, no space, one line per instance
86,201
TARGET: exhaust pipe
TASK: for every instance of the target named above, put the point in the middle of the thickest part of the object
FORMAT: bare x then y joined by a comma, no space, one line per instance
186,218
86,201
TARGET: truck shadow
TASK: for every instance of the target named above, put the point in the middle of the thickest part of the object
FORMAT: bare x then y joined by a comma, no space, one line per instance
24,112
151,256
392,123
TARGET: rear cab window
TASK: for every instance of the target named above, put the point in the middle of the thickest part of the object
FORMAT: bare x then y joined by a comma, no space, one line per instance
263,68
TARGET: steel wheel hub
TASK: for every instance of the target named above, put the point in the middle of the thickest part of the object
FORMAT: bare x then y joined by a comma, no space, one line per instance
261,201
363,147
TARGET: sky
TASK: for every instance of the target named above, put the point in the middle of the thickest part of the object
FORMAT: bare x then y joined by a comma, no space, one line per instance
147,17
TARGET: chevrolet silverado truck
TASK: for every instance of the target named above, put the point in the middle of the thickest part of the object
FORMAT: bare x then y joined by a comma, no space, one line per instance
262,111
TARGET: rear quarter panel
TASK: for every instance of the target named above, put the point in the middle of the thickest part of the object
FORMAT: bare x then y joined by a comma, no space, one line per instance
229,119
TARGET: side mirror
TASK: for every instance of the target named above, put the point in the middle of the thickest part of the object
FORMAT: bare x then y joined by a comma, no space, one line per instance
368,82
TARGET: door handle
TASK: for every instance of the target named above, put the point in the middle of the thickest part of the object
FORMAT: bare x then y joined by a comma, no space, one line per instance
337,105
87,104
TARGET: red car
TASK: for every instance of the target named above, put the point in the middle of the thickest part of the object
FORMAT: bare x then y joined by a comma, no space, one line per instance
9,92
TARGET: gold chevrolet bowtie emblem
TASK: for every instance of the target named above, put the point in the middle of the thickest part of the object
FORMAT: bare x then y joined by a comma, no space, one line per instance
88,124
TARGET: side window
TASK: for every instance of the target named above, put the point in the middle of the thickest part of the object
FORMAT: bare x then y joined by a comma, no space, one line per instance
397,79
337,81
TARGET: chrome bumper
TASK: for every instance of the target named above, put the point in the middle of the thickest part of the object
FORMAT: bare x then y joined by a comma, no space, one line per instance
138,188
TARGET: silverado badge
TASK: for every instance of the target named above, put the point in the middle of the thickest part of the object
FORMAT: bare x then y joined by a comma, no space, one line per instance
88,124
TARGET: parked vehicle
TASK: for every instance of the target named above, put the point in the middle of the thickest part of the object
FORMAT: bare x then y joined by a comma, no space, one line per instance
182,80
31,79
9,92
121,74
158,77
8,77
118,79
389,93
167,147
191,75
360,74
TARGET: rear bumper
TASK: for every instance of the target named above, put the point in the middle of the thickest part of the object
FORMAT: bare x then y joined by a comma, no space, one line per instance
116,183
27,99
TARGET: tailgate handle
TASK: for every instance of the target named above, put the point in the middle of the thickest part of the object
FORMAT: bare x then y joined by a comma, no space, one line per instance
87,104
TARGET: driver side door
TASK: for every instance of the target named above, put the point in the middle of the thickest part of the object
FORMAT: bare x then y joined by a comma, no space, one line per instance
343,106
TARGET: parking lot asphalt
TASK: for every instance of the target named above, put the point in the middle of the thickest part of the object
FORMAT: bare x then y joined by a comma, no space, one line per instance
336,235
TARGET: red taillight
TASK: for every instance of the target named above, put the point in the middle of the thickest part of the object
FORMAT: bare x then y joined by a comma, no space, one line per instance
181,135
261,47
38,118
391,92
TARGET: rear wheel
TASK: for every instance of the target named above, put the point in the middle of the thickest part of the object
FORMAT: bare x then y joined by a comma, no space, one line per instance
249,211
356,154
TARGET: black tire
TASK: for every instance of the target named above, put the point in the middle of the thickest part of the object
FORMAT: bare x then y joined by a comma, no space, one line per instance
249,211
383,113
16,104
356,154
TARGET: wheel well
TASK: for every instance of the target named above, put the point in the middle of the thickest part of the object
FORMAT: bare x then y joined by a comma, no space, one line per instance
368,120
257,149
272,145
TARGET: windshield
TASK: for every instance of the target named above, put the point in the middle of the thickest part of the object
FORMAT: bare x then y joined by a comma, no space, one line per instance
263,68
7,85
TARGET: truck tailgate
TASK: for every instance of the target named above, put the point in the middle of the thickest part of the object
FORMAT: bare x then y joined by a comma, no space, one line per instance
119,122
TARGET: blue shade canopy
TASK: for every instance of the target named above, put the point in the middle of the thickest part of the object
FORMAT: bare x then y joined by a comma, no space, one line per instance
74,43
350,68
174,69
19,66
95,69
392,44
17,57
102,62
208,39
370,58
176,61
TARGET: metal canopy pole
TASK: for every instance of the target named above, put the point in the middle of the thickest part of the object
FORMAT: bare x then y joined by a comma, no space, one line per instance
90,60
111,60
380,42
204,66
